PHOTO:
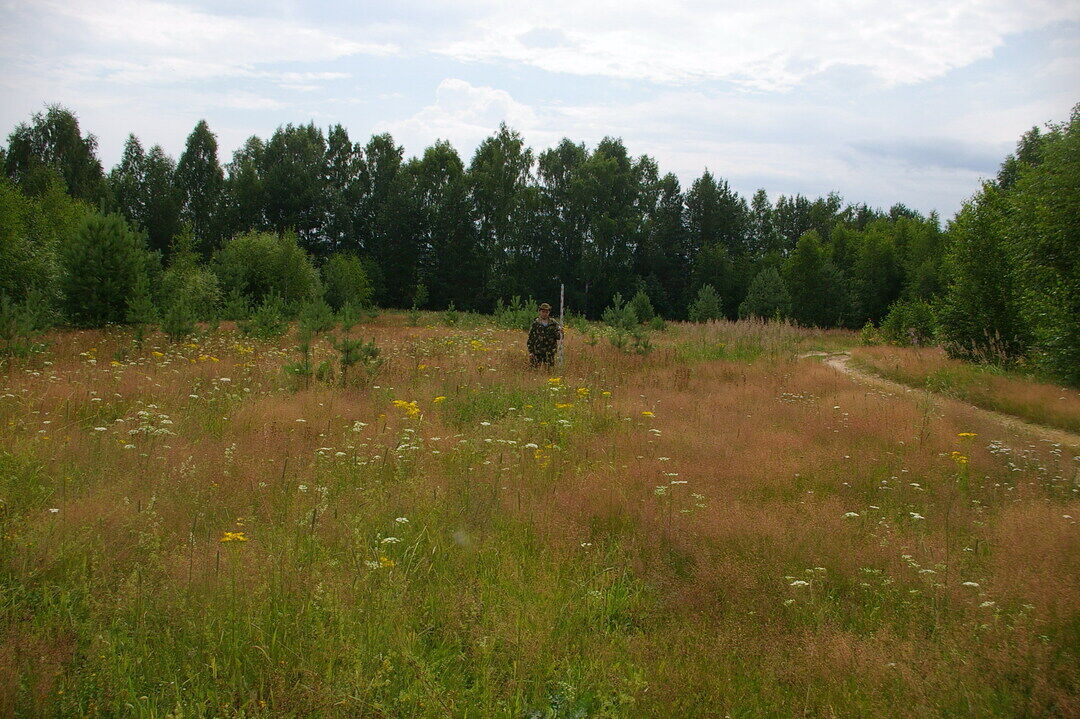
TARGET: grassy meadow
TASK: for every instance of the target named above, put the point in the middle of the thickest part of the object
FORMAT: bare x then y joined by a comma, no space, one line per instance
715,529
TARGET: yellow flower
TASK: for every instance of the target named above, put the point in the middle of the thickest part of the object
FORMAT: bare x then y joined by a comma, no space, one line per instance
421,367
158,354
438,399
564,405
967,435
605,394
386,562
411,408
959,458
234,537
114,363
647,413
583,391
555,381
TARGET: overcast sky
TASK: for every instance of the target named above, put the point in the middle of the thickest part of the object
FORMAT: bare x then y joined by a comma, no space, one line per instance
882,102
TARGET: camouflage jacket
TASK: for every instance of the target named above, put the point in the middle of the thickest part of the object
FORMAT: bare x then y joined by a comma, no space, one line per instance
544,339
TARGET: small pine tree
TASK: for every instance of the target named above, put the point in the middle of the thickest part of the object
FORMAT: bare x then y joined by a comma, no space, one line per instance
268,321
141,313
101,265
643,307
18,330
767,297
316,317
706,306
178,322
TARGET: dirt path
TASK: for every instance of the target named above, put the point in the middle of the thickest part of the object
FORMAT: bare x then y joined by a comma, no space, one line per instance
841,361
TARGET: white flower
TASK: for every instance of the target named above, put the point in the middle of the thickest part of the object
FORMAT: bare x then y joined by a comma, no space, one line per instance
302,488
100,429
916,515
969,584
402,520
987,604
799,583
851,515
391,540
53,510
485,423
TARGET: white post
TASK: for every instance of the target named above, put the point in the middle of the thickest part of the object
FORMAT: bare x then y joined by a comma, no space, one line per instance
562,297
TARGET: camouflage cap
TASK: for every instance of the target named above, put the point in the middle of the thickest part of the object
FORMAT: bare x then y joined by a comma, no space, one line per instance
545,306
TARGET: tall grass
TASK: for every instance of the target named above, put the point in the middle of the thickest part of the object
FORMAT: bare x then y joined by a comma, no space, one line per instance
670,535
987,387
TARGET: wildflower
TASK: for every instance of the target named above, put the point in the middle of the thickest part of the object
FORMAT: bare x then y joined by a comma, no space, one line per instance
799,583
438,399
564,405
583,391
916,515
851,515
987,604
967,435
586,545
390,540
660,491
402,520
663,459
100,429
53,510
234,537
969,584
647,413
421,367
386,562
555,381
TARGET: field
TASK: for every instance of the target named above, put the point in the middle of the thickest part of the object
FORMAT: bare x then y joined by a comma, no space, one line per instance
716,529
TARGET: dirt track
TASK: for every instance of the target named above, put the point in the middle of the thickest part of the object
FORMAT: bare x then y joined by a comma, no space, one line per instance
841,361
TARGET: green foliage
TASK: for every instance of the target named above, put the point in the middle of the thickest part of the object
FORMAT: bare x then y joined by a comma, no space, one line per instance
302,369
516,315
1043,235
260,264
450,316
355,351
141,313
101,266
706,306
199,182
20,326
909,322
236,307
980,316
420,296
53,145
345,282
268,321
316,317
349,316
642,307
32,230
178,322
767,297
819,296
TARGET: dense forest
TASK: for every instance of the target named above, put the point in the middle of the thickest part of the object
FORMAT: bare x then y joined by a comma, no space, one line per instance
306,215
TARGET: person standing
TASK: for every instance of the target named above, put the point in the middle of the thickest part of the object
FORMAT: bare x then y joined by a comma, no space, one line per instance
544,336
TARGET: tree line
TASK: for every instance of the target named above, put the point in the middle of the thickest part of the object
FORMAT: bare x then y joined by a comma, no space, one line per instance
432,231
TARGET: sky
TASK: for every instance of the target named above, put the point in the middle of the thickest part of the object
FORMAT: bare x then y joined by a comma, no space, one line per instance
882,102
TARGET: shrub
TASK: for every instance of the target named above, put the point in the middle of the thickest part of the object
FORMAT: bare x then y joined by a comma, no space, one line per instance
514,316
642,306
179,320
909,322
316,317
20,326
101,266
346,282
767,297
450,316
706,306
268,321
260,264
141,313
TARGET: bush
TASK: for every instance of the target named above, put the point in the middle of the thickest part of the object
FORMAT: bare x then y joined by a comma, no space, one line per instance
450,316
642,306
767,297
260,264
316,317
514,316
706,306
20,325
268,321
141,313
909,322
101,266
179,320
346,282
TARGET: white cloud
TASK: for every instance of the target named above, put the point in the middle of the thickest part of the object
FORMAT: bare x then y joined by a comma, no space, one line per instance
765,45
462,113
150,42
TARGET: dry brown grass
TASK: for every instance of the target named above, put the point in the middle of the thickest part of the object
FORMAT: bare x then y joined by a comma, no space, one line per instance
684,599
